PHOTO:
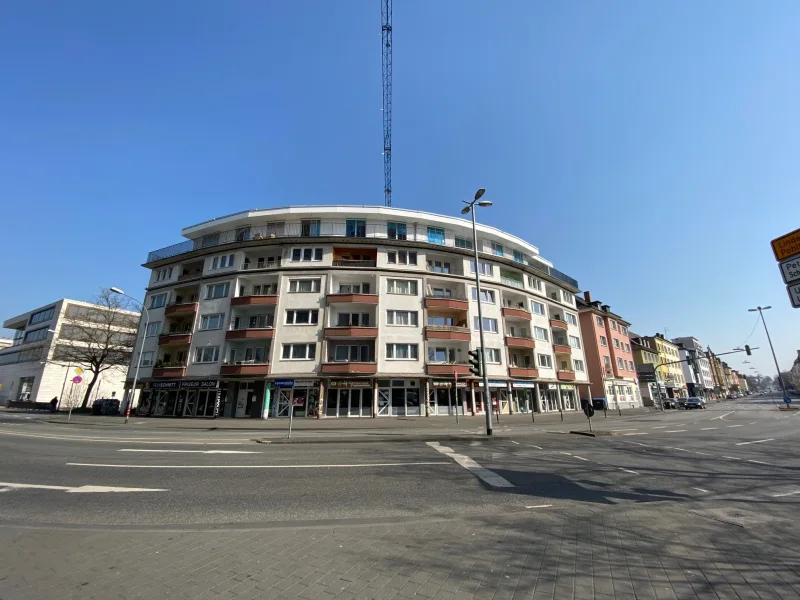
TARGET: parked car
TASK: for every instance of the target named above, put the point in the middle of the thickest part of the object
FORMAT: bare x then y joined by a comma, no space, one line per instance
693,402
670,403
599,403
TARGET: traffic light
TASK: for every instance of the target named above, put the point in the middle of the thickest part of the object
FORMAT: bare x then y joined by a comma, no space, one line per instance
475,361
747,350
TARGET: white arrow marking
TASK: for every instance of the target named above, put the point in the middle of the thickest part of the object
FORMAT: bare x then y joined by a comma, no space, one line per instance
191,451
84,489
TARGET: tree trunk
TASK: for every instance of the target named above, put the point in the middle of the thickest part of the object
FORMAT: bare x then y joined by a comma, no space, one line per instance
89,389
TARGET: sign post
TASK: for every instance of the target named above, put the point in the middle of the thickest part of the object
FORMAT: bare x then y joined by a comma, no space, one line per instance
75,380
787,252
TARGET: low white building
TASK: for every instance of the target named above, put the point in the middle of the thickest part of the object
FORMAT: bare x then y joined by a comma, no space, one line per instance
696,367
30,369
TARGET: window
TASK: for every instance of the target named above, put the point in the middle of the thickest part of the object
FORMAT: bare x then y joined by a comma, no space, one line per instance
607,362
164,274
519,256
402,351
537,308
254,322
571,319
534,283
354,288
402,257
309,228
575,342
497,249
43,315
599,321
344,353
486,268
222,262
306,254
158,300
304,285
603,341
299,352
492,355
302,317
212,321
489,325
438,266
147,359
217,290
623,329
356,228
441,321
567,297
540,333
441,355
620,364
577,365
207,354
401,286
613,324
630,365
463,243
487,296
407,318
152,329
442,292
36,335
545,360
616,343
627,347
396,231
436,235
263,289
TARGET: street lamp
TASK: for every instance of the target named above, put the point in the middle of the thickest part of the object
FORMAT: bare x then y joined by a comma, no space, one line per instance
470,208
116,290
760,311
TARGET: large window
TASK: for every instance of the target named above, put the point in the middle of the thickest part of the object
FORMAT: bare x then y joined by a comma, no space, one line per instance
401,257
395,230
401,286
436,235
486,268
540,333
212,321
309,228
222,262
147,359
571,319
603,341
158,300
497,249
441,355
164,274
206,354
152,329
534,283
302,317
217,290
489,325
463,243
402,351
519,256
407,318
487,296
545,360
578,365
616,343
599,321
299,352
620,364
575,342
438,266
42,316
537,308
354,288
36,335
352,320
306,254
441,321
356,228
349,353
304,285
492,355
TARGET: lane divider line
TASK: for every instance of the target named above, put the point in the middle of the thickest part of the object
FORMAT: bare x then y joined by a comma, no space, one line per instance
675,431
701,490
734,425
786,494
344,466
755,442
540,506
708,428
473,467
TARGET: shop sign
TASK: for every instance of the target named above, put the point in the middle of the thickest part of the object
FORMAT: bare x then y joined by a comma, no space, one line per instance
523,384
305,383
567,387
165,385
350,383
497,384
179,405
552,386
200,384
448,384
283,383
217,403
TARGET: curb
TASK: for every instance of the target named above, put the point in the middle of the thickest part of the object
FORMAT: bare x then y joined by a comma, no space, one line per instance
377,439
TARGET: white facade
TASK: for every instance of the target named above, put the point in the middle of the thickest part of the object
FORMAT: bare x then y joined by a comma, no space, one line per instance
696,366
29,369
328,295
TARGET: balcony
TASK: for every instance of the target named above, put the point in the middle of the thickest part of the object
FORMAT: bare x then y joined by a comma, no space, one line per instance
448,369
254,300
260,264
562,349
245,369
446,332
522,372
354,263
354,298
558,324
250,333
169,370
349,368
351,331
566,375
520,342
186,308
174,338
452,302
516,313
512,282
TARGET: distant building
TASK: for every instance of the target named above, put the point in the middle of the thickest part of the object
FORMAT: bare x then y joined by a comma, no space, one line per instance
30,369
5,343
695,366
645,357
669,368
717,374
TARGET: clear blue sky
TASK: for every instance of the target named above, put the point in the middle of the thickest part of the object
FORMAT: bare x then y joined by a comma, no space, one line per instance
649,151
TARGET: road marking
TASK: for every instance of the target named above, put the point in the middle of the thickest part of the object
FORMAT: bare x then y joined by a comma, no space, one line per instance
637,443
707,428
786,494
513,442
752,422
701,490
732,457
83,489
581,458
344,466
190,451
661,427
675,431
470,465
534,446
703,453
759,462
540,506
734,425
187,442
681,449
629,429
567,453
721,416
636,433
755,442
628,471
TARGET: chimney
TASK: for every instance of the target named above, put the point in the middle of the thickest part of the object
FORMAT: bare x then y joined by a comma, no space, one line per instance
588,297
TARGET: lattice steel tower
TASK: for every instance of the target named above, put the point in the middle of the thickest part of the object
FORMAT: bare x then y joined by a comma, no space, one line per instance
386,29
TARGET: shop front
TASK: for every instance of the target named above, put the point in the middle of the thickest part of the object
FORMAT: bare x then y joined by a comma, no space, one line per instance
399,397
301,396
498,392
349,398
550,397
569,397
182,398
447,397
523,396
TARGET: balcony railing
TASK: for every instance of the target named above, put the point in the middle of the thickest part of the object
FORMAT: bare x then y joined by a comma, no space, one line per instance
329,229
512,282
253,266
353,263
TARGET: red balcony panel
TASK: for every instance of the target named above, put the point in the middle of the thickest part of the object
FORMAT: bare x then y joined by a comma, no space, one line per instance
518,342
358,298
254,300
187,308
562,349
245,370
558,323
522,372
250,334
169,371
174,338
351,332
447,370
566,375
433,332
451,303
349,368
518,313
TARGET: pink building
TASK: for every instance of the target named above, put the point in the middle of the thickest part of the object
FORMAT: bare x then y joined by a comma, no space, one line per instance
609,359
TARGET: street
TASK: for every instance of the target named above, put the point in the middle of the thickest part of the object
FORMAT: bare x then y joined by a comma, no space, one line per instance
679,504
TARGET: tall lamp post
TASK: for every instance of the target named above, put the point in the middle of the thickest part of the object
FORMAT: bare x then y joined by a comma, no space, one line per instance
116,290
470,208
760,311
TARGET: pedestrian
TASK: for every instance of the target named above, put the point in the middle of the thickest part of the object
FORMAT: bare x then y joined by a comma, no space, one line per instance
53,404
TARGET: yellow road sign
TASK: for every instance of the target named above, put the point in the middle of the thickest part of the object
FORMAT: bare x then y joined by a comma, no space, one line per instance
786,245
78,370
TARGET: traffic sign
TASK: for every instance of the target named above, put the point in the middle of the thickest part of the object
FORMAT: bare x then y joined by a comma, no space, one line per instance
790,269
794,294
77,379
78,371
787,245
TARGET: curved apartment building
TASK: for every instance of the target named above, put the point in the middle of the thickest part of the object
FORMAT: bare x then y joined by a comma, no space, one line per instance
353,311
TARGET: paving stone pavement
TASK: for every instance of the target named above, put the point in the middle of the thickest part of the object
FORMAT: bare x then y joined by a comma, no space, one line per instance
653,552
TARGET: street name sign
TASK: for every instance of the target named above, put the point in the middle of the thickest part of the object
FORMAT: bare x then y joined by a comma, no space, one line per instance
794,294
790,269
787,245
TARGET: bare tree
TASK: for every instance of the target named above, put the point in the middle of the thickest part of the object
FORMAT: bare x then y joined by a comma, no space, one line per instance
98,338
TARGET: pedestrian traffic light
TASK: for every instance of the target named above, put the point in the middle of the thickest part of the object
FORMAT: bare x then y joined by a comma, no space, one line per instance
747,350
475,361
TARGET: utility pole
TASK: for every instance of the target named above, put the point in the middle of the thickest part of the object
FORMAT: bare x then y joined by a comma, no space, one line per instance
769,339
386,62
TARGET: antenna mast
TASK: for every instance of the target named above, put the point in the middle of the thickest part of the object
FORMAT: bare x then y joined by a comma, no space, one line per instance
386,35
